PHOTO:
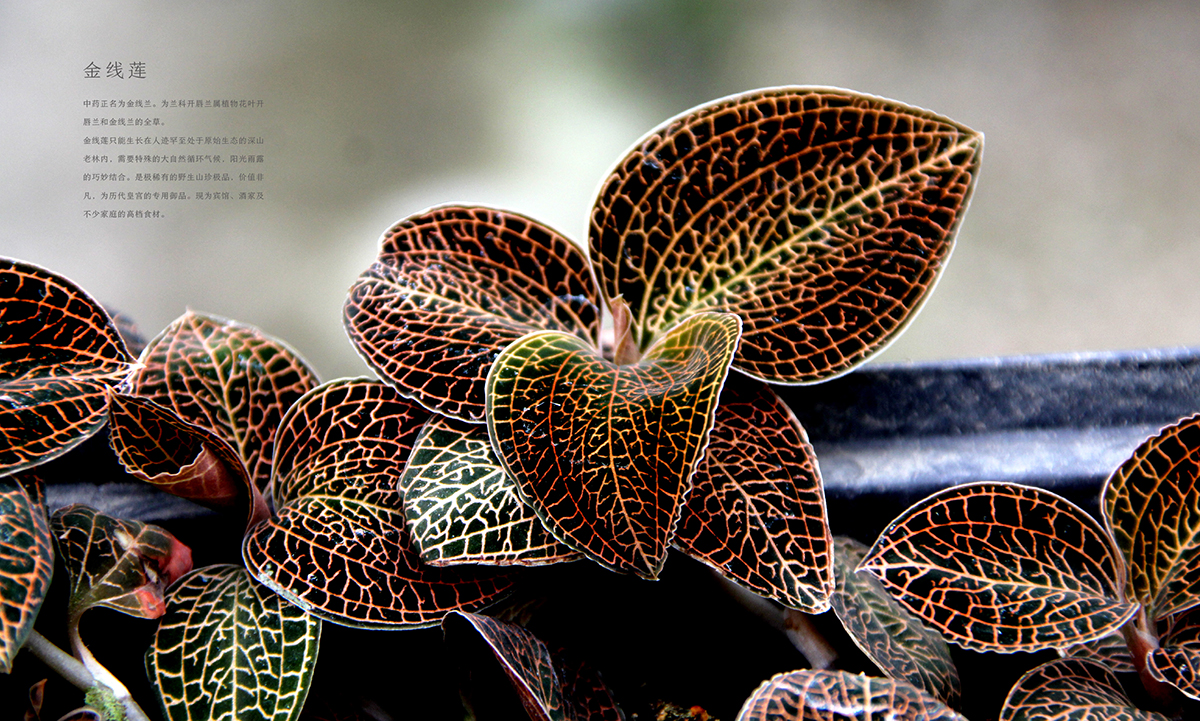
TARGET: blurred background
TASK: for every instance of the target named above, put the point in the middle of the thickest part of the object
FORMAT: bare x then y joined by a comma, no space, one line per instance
1084,233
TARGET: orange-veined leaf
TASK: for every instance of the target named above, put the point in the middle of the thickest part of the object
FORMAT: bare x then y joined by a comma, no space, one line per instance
59,351
896,641
1152,505
26,561
229,648
181,458
809,695
1177,661
227,377
605,453
1112,651
463,508
756,512
1071,689
820,216
453,286
588,697
1003,568
120,564
339,547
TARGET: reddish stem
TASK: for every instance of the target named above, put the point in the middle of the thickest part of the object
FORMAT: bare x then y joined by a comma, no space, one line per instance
1142,641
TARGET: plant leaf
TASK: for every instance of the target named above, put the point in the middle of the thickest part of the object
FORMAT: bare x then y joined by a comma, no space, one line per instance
226,377
227,648
897,642
59,351
1003,568
1178,666
339,546
462,507
525,660
1111,651
605,453
586,694
451,288
809,695
756,512
26,561
181,458
120,564
1152,505
821,217
1071,689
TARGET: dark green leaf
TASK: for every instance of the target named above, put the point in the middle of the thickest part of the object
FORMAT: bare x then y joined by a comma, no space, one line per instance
462,507
821,217
339,546
451,288
1003,568
756,511
605,453
1071,689
839,696
1111,651
899,644
26,561
59,351
227,649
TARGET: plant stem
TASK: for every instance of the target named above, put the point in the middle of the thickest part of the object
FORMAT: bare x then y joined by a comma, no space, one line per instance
102,675
1142,642
64,663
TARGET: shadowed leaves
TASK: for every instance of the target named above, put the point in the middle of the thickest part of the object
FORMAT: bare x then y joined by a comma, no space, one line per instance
462,507
756,511
451,288
1003,568
228,648
1112,651
339,546
839,696
605,453
898,643
1071,689
26,561
1177,662
59,351
821,217
1152,504
226,377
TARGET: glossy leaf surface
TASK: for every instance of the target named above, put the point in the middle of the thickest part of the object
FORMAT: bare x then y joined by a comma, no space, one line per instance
839,696
1111,651
339,546
820,216
1152,503
1070,689
227,377
181,458
756,511
120,564
605,453
228,648
1003,568
451,288
897,642
26,561
59,351
463,508
525,660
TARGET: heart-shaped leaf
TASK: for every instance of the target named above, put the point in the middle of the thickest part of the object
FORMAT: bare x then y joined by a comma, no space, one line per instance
756,512
26,561
120,564
605,453
821,217
451,288
897,642
229,378
1004,568
463,508
809,695
59,351
525,660
339,546
181,458
1152,505
1071,689
228,649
